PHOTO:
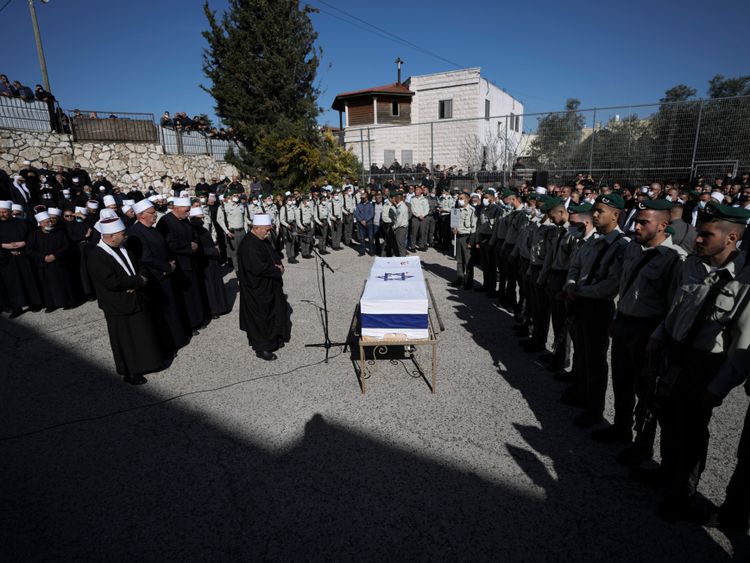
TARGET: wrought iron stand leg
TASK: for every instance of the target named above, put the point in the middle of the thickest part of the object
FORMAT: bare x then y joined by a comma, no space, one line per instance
434,365
363,368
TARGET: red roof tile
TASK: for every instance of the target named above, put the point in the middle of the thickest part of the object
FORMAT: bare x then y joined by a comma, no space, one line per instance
395,88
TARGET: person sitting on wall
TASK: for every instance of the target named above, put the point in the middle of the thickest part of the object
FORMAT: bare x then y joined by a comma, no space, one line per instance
6,88
42,95
166,120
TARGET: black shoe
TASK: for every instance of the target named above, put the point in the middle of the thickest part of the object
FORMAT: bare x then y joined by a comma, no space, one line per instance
15,313
35,308
214,317
293,261
266,355
675,508
587,419
50,309
612,435
361,253
570,397
555,368
651,477
91,298
307,256
324,252
480,289
565,376
336,248
730,524
492,294
195,333
136,380
457,283
635,455
532,347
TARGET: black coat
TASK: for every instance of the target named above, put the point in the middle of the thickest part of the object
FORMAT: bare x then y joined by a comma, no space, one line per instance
138,346
16,271
56,278
264,311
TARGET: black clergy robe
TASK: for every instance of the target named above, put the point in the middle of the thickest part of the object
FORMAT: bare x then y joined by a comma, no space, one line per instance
79,258
152,252
264,310
209,266
138,346
54,277
16,272
179,237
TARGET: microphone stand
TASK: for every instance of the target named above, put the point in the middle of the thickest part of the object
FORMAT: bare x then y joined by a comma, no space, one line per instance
327,344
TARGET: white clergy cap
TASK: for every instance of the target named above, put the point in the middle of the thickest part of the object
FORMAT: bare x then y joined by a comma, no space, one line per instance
109,200
153,198
42,216
75,180
81,210
111,226
718,196
197,212
6,205
181,202
54,211
130,202
27,162
262,220
126,208
541,190
92,204
107,214
16,207
184,193
142,205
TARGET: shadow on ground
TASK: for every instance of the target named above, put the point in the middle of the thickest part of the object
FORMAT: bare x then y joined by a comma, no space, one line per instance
169,482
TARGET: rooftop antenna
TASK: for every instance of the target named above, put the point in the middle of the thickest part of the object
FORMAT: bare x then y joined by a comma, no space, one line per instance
399,62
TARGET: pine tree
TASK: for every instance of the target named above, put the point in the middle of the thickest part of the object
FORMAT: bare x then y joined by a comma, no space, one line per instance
261,61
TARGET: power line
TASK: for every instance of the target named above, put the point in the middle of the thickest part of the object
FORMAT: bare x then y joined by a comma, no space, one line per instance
385,33
5,5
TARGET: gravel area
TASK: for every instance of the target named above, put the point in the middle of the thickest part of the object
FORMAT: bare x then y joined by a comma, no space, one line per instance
226,457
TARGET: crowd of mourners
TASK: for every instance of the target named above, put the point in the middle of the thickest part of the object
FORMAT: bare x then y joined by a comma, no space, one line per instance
655,274
180,121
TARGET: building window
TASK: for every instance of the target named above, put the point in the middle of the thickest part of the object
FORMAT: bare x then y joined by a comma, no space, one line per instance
394,109
517,127
512,121
407,157
486,109
445,109
389,155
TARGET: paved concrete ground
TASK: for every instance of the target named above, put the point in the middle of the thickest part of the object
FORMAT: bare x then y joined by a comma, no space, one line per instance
225,457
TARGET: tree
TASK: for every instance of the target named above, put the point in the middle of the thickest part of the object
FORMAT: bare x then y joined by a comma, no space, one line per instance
557,136
261,62
678,93
720,87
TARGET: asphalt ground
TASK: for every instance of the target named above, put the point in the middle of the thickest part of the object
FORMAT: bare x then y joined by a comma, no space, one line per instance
226,457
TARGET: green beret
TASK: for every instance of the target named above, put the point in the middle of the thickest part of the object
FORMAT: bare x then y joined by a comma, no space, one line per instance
612,200
492,191
655,204
549,202
583,208
717,211
201,192
532,196
306,196
507,192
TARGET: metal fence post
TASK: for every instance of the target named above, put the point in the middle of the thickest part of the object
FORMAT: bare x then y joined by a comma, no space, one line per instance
695,141
432,146
369,149
505,168
178,138
591,146
362,153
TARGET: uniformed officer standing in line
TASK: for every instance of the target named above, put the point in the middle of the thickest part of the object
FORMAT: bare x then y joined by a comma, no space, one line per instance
446,202
581,228
651,269
347,211
538,247
420,209
322,220
465,234
488,214
305,225
516,221
231,216
594,292
337,219
288,227
254,207
553,277
705,338
522,256
386,228
400,222
431,218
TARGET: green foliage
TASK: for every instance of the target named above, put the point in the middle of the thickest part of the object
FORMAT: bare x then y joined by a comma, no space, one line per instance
558,134
261,62
720,87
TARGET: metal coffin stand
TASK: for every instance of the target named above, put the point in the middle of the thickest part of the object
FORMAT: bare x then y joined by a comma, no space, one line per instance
380,347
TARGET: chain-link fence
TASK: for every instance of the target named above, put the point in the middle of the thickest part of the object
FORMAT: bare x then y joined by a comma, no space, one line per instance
624,144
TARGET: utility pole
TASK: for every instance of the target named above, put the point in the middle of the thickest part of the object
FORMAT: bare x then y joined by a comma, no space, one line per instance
39,48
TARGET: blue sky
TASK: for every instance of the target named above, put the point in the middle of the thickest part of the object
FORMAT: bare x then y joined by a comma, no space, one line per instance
145,55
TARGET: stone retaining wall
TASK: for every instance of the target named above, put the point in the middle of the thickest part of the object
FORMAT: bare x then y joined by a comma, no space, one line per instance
122,163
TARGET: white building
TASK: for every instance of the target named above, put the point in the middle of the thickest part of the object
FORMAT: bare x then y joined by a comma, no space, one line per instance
449,119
